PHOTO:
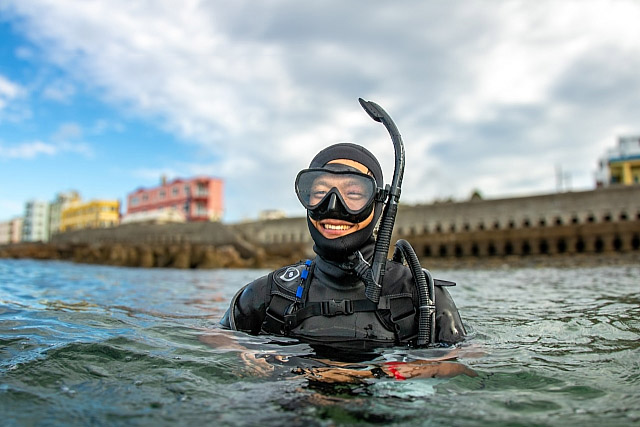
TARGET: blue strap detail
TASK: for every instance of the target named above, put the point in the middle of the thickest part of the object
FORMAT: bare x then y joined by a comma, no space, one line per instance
305,274
299,291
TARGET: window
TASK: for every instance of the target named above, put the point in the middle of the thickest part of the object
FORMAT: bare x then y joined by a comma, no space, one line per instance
175,191
162,194
202,190
201,209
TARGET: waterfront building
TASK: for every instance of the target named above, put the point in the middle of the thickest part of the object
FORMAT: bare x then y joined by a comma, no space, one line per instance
194,199
93,214
621,164
11,231
35,226
61,202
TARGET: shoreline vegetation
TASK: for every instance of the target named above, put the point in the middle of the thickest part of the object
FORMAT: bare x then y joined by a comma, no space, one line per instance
206,256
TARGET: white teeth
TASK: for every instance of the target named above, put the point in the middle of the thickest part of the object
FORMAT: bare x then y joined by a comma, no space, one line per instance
336,227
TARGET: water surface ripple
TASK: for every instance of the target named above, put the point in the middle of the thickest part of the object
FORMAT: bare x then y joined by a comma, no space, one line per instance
102,345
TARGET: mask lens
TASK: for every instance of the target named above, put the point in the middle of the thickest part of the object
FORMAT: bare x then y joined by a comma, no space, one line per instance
356,190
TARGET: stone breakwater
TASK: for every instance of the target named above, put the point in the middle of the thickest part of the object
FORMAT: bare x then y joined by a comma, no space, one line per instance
190,245
183,255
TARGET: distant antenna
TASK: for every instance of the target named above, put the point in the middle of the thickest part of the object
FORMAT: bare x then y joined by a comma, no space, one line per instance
563,180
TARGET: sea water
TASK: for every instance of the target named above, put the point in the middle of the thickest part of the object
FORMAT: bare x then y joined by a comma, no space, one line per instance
97,345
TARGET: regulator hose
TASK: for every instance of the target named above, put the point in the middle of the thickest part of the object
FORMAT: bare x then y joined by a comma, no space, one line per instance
425,286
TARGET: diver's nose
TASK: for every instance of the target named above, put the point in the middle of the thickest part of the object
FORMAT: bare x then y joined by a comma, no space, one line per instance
333,201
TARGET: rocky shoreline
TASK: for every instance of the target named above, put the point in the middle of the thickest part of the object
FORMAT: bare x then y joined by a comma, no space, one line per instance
207,256
182,255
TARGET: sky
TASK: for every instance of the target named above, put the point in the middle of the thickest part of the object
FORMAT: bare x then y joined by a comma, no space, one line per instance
505,97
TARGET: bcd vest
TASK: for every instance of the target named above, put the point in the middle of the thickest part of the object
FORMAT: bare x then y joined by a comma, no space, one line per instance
288,306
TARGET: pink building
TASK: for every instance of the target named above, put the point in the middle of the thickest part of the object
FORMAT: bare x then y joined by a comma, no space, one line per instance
195,199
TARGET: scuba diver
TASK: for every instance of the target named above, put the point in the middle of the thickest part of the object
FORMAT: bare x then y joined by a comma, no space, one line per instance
350,297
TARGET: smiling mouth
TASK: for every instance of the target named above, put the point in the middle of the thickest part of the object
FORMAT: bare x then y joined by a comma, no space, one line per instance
337,227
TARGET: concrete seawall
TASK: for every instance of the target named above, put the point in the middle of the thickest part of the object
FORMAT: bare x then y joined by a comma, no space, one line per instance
590,227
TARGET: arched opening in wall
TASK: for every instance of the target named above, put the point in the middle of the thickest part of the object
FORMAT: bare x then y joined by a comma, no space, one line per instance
638,215
426,251
475,251
543,247
508,248
526,223
561,246
438,228
574,219
542,222
491,249
512,224
526,248
599,244
452,228
635,242
467,227
558,220
617,243
607,217
623,216
443,251
496,225
481,226
580,246
412,231
591,218
458,251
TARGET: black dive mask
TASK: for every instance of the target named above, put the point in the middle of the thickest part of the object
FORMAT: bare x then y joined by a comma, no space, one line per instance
337,192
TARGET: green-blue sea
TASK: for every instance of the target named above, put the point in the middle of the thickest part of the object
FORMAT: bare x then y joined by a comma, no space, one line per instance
98,345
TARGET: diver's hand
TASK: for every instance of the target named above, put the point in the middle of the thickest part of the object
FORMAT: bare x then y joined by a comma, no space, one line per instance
397,370
334,375
256,363
425,369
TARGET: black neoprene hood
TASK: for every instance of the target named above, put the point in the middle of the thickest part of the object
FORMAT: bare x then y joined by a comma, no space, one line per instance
347,150
342,247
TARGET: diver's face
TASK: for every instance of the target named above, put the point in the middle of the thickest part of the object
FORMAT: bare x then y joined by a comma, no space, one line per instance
332,228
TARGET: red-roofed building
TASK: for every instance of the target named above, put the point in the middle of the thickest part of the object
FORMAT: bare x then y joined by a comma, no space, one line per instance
194,199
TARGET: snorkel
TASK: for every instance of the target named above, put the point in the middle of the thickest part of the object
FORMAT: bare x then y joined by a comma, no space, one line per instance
374,275
374,283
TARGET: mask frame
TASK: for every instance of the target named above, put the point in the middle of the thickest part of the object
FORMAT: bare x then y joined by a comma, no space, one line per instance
332,205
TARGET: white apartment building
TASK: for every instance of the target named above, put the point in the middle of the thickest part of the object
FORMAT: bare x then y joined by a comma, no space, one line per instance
11,231
35,227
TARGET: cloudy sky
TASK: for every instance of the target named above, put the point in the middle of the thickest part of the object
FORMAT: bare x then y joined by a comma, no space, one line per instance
105,96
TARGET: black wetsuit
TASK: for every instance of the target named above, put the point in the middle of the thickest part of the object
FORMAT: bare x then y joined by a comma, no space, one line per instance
335,310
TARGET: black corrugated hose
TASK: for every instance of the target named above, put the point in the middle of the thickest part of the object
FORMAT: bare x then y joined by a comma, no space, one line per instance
425,287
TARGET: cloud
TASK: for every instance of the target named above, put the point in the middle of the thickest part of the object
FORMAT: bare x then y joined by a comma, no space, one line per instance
59,90
487,95
8,91
64,140
33,149
27,150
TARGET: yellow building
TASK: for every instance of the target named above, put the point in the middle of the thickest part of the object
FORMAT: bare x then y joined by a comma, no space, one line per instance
93,214
625,171
621,164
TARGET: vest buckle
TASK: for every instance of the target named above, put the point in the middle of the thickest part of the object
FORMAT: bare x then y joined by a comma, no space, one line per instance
332,307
